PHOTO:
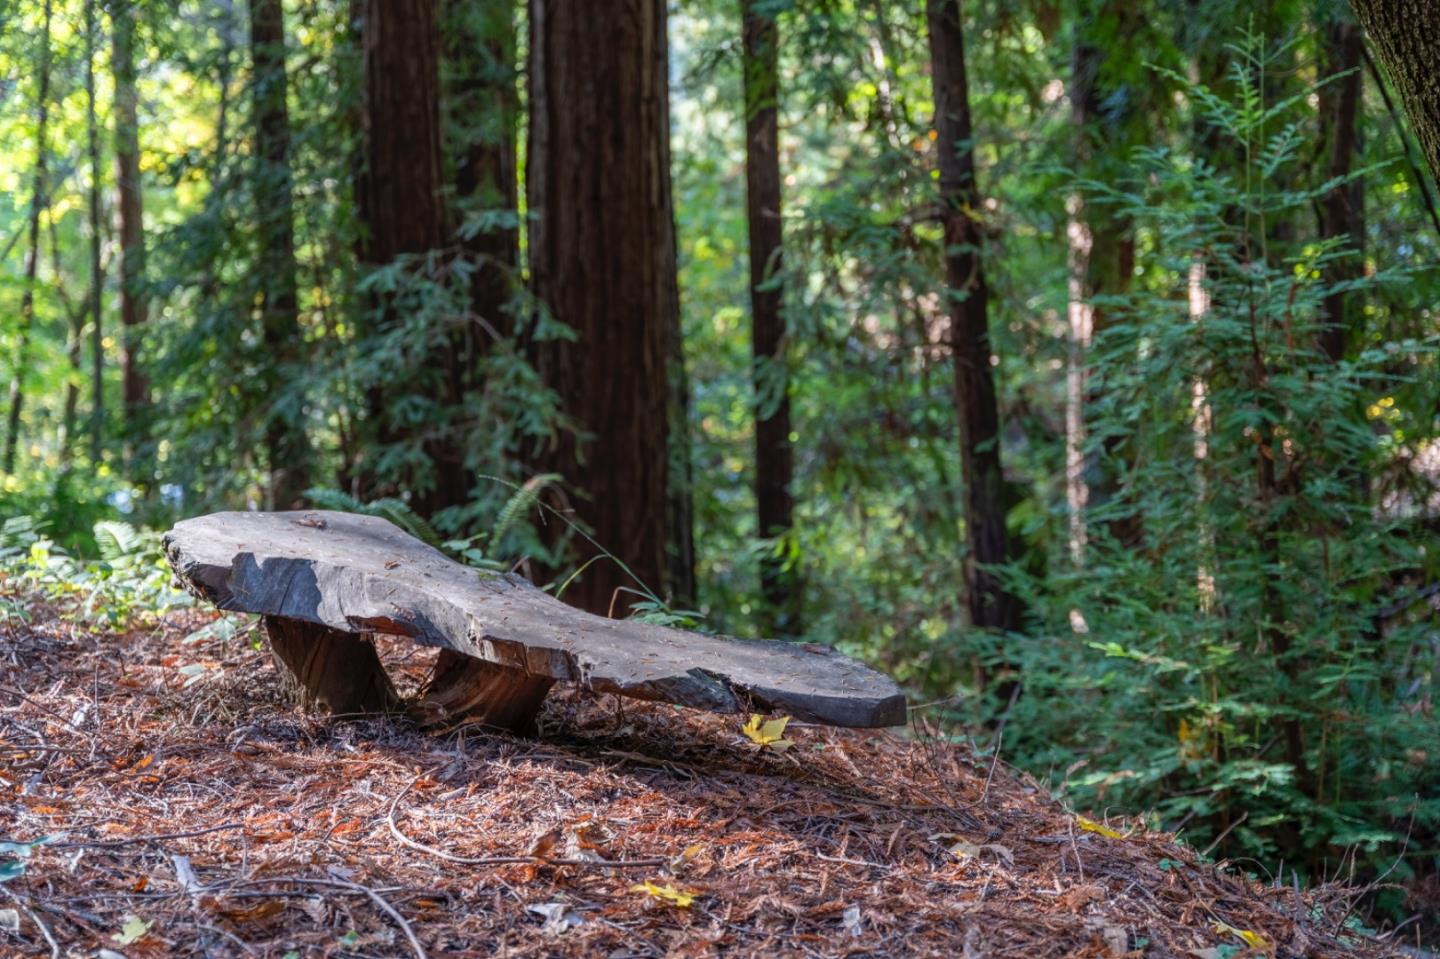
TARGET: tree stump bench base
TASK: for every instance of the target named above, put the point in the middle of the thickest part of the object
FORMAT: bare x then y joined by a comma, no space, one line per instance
323,582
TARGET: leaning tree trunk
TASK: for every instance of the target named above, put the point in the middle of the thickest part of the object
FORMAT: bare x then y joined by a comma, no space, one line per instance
602,256
286,445
38,203
773,455
97,273
990,605
135,389
402,205
1408,43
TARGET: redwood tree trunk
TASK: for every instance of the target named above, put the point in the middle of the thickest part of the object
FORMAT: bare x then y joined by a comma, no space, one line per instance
1408,43
135,389
773,455
1342,212
402,206
97,275
38,203
481,108
991,606
680,476
603,260
286,445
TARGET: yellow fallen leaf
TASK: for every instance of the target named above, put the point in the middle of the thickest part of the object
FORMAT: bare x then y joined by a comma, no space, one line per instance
767,734
666,893
1251,939
1090,825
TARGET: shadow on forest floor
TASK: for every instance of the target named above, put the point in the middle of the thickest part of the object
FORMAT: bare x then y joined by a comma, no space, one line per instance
374,838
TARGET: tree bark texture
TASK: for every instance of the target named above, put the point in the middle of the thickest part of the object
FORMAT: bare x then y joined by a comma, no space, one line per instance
135,388
402,206
482,105
327,670
774,459
603,261
991,606
38,203
1407,42
680,475
286,444
97,274
1342,211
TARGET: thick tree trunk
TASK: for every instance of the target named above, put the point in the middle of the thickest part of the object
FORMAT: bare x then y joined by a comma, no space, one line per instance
97,274
990,605
773,456
1342,211
135,388
1408,43
327,670
286,445
402,205
603,260
38,203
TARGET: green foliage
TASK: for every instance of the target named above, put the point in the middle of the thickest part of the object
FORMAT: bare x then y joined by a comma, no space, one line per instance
1244,638
131,579
1250,640
387,507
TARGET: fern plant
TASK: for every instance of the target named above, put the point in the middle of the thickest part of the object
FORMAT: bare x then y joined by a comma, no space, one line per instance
1237,652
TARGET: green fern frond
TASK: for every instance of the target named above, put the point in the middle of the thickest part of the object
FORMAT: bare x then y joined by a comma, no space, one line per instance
521,502
116,540
324,497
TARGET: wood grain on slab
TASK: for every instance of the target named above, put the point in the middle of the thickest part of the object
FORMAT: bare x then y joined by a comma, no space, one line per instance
361,573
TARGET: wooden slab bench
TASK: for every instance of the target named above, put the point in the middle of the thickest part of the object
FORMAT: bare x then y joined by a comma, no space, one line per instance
323,581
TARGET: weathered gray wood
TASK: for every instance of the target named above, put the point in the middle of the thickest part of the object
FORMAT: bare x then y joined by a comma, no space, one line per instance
360,573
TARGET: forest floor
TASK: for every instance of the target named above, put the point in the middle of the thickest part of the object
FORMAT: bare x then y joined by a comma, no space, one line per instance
187,811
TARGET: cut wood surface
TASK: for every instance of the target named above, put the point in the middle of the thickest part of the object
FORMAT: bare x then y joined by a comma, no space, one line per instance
361,574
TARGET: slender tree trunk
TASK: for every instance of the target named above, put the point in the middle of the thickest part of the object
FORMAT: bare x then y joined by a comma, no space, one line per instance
286,445
680,474
1100,257
39,201
97,274
402,205
1342,211
603,260
991,606
1408,44
481,107
773,456
74,346
135,389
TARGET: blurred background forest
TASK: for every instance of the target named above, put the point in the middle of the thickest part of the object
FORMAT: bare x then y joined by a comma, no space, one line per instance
1075,363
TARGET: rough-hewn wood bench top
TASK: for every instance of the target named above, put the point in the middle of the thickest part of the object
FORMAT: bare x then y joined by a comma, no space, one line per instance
321,579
